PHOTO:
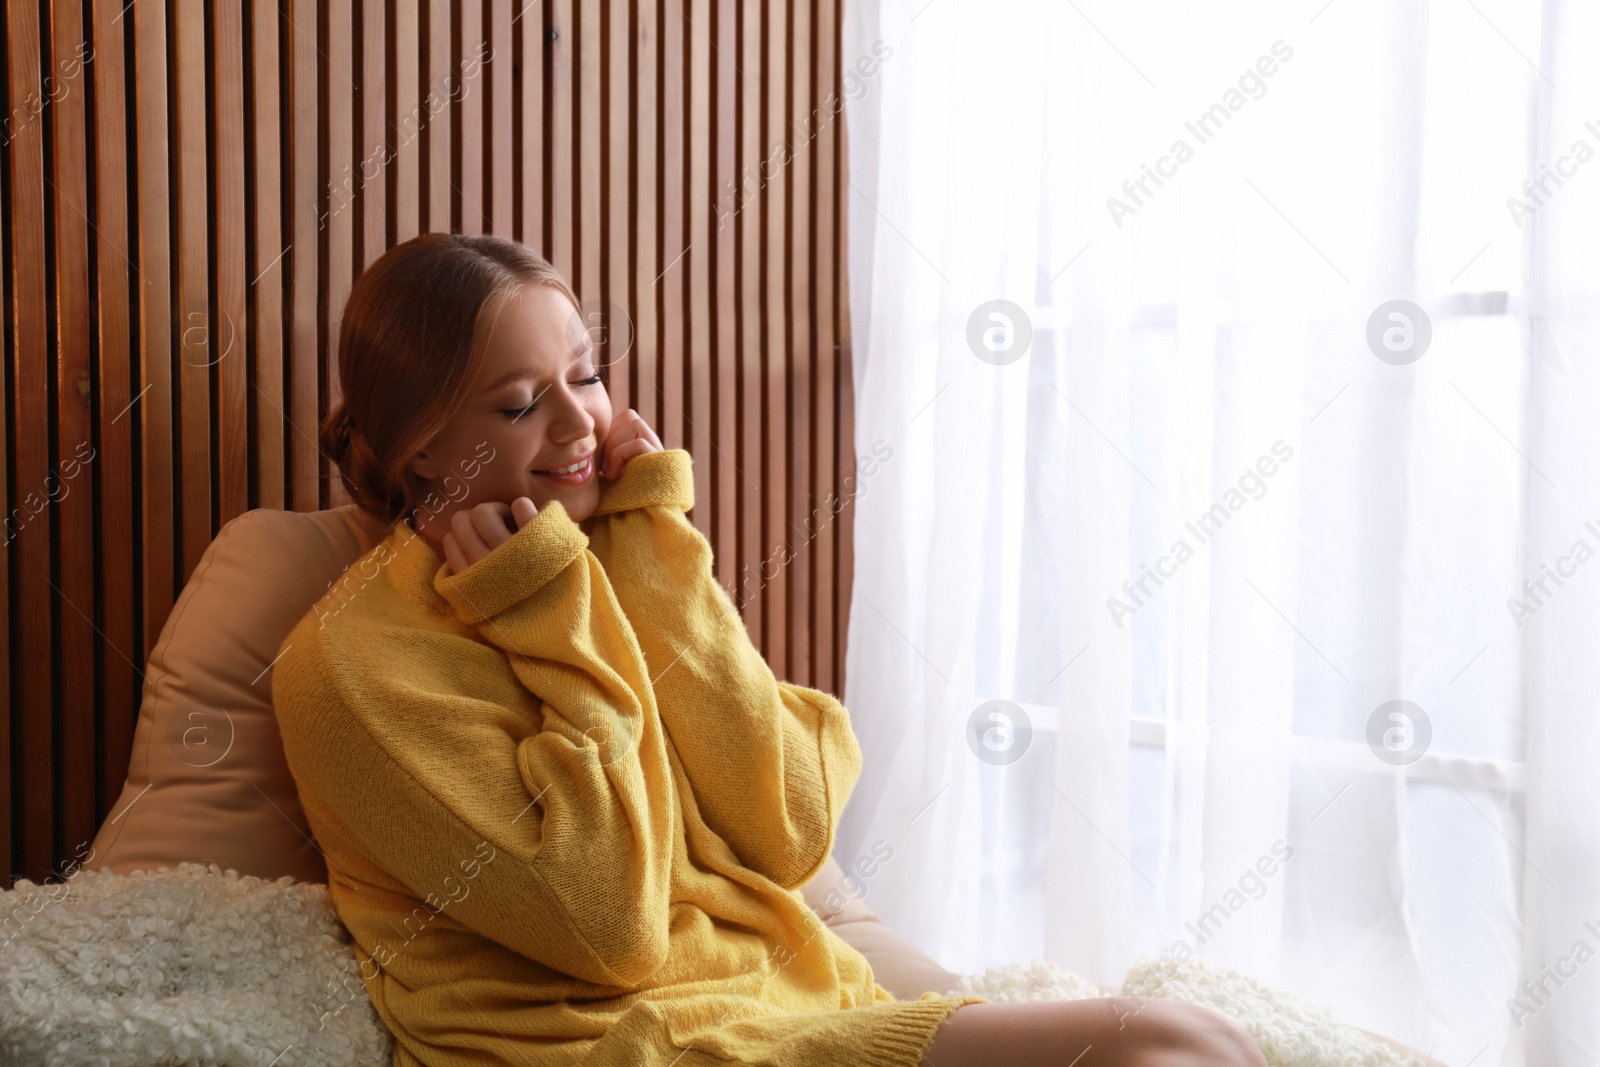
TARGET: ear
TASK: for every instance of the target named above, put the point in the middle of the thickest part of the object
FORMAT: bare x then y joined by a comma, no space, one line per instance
423,467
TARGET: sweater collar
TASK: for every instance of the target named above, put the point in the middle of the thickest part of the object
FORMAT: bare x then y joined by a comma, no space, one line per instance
413,564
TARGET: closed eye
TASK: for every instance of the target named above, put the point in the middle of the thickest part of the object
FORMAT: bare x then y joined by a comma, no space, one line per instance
516,413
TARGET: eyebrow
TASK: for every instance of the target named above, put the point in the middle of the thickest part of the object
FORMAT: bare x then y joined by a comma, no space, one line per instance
506,379
522,374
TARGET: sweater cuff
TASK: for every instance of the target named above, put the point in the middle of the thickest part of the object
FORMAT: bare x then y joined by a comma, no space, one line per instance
513,571
655,479
910,1027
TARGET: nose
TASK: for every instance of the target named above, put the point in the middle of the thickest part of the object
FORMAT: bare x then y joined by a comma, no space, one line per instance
569,416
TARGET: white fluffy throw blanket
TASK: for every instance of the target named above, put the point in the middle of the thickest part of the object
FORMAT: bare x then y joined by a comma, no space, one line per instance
197,966
193,966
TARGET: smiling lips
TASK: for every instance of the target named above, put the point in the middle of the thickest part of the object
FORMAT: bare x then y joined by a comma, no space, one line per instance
572,474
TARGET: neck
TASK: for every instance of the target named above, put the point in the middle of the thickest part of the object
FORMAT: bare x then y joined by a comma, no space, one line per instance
425,533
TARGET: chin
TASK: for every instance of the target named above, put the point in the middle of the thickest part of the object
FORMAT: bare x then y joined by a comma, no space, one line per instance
579,504
578,513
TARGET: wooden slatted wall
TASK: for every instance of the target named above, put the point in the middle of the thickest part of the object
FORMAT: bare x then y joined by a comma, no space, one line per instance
187,191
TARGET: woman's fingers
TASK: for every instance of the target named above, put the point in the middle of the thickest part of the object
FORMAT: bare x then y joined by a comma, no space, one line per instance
467,535
453,554
615,432
629,436
627,450
523,511
477,531
651,434
639,427
492,520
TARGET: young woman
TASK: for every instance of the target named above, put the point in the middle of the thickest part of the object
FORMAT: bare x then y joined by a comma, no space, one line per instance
565,804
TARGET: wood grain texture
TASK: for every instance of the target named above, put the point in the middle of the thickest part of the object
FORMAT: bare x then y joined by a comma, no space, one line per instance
468,73
74,584
308,206
339,181
30,516
7,420
268,247
191,188
116,282
773,471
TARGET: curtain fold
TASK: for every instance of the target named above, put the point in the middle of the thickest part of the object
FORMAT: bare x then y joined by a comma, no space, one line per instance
1222,591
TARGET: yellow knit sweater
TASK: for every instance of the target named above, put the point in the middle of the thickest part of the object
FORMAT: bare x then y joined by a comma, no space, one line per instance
567,808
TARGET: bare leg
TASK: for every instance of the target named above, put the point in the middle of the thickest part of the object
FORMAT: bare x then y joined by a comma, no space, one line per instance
1101,1032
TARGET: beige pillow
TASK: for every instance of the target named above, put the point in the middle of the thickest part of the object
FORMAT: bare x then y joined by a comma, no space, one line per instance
207,782
899,966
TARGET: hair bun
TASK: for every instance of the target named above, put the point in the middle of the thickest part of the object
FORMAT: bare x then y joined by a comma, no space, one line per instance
358,466
338,434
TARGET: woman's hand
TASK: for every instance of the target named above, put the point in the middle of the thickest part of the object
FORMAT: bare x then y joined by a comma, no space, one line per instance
629,436
479,530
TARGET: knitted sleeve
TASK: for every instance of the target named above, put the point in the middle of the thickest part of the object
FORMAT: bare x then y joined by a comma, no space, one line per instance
770,763
421,746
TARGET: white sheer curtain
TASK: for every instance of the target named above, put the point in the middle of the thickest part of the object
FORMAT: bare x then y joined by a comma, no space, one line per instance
1317,508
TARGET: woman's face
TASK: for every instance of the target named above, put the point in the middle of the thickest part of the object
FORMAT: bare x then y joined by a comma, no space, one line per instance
537,405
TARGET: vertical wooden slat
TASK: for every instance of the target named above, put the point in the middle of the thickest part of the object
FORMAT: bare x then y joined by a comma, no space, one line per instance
268,255
197,339
798,378
723,374
338,237
468,74
775,347
373,145
496,78
562,57
698,362
617,337
440,107
589,148
232,328
845,460
821,130
666,408
8,719
28,518
309,209
407,122
153,407
641,369
745,205
528,25
113,452
74,497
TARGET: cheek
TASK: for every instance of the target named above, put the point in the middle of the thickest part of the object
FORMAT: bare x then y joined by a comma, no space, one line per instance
506,442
